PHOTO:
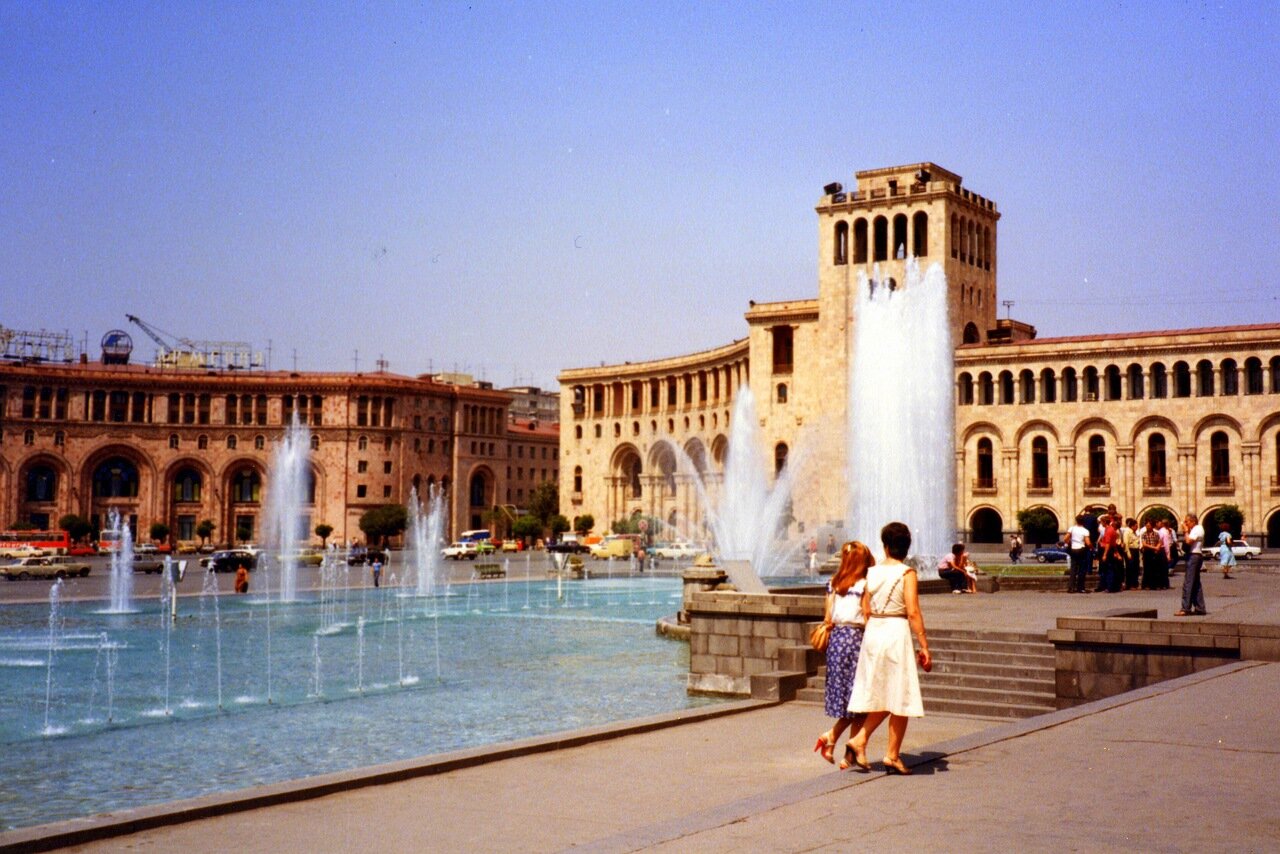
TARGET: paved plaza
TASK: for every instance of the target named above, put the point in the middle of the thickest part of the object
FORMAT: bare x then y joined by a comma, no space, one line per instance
1183,765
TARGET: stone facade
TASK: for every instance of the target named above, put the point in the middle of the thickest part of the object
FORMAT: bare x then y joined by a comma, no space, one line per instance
178,446
1184,419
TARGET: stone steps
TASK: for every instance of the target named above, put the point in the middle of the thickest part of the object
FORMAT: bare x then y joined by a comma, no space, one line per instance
997,675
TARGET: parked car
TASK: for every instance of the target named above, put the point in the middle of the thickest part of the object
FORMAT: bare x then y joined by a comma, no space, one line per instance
1051,554
568,544
145,548
615,545
511,546
229,560
82,550
677,550
360,555
145,563
1239,547
21,552
44,567
460,551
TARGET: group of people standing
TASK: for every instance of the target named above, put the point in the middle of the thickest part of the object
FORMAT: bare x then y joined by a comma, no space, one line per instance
872,610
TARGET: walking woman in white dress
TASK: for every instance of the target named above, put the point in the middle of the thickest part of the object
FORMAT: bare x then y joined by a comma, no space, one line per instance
886,684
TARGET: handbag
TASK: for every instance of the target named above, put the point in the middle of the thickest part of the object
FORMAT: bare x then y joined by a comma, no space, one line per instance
820,636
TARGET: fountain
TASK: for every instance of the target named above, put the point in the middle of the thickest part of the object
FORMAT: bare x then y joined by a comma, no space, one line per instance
287,484
747,515
423,538
121,566
901,419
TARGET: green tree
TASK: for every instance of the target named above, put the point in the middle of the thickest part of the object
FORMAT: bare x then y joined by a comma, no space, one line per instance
544,502
205,530
323,531
76,527
1155,514
583,524
558,525
380,523
527,526
626,525
1233,516
159,531
1038,525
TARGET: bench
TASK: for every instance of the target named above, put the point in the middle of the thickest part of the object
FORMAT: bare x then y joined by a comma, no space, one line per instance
490,570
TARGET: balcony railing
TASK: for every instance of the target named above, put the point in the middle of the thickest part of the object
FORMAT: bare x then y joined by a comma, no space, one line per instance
1039,485
1097,486
1275,485
783,367
579,409
1219,485
1157,486
982,485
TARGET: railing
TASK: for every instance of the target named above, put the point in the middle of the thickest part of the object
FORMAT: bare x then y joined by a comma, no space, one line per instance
1157,486
984,484
579,409
783,367
576,497
1219,485
1097,485
1040,484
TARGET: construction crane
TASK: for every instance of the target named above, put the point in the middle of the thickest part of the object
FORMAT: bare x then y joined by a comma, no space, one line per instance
208,355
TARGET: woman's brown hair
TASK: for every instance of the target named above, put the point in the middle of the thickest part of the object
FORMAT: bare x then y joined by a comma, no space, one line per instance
855,560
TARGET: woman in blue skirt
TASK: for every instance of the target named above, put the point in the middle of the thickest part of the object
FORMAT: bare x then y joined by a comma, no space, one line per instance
844,616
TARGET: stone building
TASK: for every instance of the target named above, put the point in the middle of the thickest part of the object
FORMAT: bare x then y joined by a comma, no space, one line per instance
179,446
1185,419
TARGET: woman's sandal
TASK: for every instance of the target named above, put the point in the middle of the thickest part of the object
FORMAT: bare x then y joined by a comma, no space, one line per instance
826,746
853,760
896,767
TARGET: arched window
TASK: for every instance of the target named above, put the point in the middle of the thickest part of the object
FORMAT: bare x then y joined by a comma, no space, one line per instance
577,431
1040,463
577,478
841,243
1275,374
42,483
779,457
617,430
311,486
900,236
1114,390
1157,464
362,443
599,431
986,389
986,465
1253,375
315,443
1048,386
1159,381
29,437
259,442
246,487
955,237
920,234
186,485
859,241
971,333
1181,380
881,239
1006,387
1070,388
173,440
635,428
1090,383
964,390
1028,382
986,247
1230,378
1136,385
231,443
115,478
1204,375
477,490
782,392
1097,461
1220,459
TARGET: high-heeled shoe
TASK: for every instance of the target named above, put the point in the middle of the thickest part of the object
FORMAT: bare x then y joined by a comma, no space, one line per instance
895,766
853,759
826,747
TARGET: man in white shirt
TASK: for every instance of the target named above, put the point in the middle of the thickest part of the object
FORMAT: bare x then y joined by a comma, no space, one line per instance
1078,545
1192,590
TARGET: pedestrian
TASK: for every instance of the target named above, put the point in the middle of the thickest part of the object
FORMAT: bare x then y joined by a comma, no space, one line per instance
831,544
1226,557
1078,546
1192,589
1015,548
954,569
1131,548
377,572
1110,571
844,616
886,684
242,579
1155,565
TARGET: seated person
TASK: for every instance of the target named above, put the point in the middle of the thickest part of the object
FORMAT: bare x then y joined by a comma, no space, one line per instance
958,570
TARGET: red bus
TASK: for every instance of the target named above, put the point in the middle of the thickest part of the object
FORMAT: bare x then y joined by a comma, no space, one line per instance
52,542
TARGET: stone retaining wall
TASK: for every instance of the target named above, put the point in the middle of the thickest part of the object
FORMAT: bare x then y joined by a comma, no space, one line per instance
1098,657
737,636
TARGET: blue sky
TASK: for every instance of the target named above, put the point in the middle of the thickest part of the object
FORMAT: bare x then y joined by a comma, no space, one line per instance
513,189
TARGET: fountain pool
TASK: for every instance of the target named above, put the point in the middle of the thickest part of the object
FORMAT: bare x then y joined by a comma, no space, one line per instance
93,719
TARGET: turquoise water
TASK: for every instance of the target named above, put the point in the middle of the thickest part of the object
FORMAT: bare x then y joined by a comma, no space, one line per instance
349,678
